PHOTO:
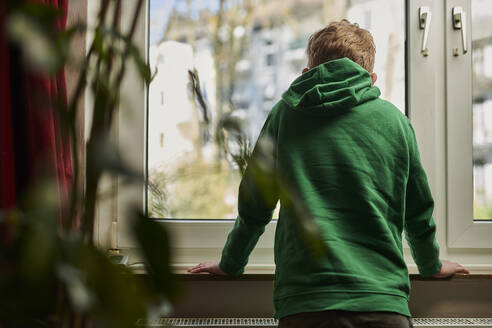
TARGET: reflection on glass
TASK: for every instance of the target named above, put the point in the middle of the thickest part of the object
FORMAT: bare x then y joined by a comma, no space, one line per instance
482,108
246,54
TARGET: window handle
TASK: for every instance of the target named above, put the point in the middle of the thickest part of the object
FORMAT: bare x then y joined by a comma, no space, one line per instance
425,16
459,23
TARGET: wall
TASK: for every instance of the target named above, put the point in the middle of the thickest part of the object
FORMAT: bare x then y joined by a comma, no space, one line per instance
208,296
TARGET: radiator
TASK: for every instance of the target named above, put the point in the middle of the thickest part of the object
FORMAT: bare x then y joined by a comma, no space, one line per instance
269,322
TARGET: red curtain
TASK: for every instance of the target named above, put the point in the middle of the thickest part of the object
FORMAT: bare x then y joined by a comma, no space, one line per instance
31,138
7,185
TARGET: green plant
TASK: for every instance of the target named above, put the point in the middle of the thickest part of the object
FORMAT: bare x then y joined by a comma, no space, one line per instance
52,275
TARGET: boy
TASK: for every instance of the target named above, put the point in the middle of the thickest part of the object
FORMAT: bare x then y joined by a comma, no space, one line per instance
353,160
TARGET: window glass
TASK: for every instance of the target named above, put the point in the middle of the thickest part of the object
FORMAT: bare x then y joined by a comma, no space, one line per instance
481,18
245,54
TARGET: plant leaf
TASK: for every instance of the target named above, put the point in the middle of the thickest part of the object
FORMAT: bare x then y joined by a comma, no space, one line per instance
142,67
153,240
38,46
106,157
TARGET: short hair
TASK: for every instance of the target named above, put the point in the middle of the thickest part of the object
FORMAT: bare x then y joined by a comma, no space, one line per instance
342,39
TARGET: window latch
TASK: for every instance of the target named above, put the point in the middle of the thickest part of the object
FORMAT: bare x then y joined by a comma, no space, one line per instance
425,16
459,23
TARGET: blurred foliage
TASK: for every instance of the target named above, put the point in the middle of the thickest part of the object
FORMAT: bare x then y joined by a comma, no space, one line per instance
158,194
192,180
31,26
231,137
196,91
482,213
53,275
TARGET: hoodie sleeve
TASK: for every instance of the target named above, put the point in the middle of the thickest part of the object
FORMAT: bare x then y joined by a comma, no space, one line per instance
420,229
257,199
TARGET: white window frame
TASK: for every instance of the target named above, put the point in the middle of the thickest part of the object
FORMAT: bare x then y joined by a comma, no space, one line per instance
444,154
463,231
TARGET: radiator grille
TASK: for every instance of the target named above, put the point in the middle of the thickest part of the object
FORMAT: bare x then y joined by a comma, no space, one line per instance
452,322
210,322
269,322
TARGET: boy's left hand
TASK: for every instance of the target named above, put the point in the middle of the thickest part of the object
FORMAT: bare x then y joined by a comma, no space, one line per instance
210,267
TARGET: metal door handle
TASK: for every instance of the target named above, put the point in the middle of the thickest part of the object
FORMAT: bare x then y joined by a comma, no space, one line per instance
425,16
459,23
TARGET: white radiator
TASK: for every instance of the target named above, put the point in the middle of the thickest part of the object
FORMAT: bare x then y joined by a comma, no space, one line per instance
269,322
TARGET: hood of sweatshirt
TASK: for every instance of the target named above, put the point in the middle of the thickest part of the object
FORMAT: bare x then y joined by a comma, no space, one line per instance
331,88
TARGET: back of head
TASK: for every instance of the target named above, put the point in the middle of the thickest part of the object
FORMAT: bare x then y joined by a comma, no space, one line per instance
341,39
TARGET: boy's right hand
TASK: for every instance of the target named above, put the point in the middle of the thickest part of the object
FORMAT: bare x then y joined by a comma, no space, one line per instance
208,267
449,268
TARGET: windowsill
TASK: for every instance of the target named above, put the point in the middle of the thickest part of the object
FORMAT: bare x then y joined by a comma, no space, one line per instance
265,272
268,275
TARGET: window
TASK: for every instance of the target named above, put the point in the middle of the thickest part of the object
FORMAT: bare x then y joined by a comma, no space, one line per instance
428,88
201,182
469,124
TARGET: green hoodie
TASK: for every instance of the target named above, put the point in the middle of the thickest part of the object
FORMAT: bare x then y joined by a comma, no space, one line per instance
353,160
